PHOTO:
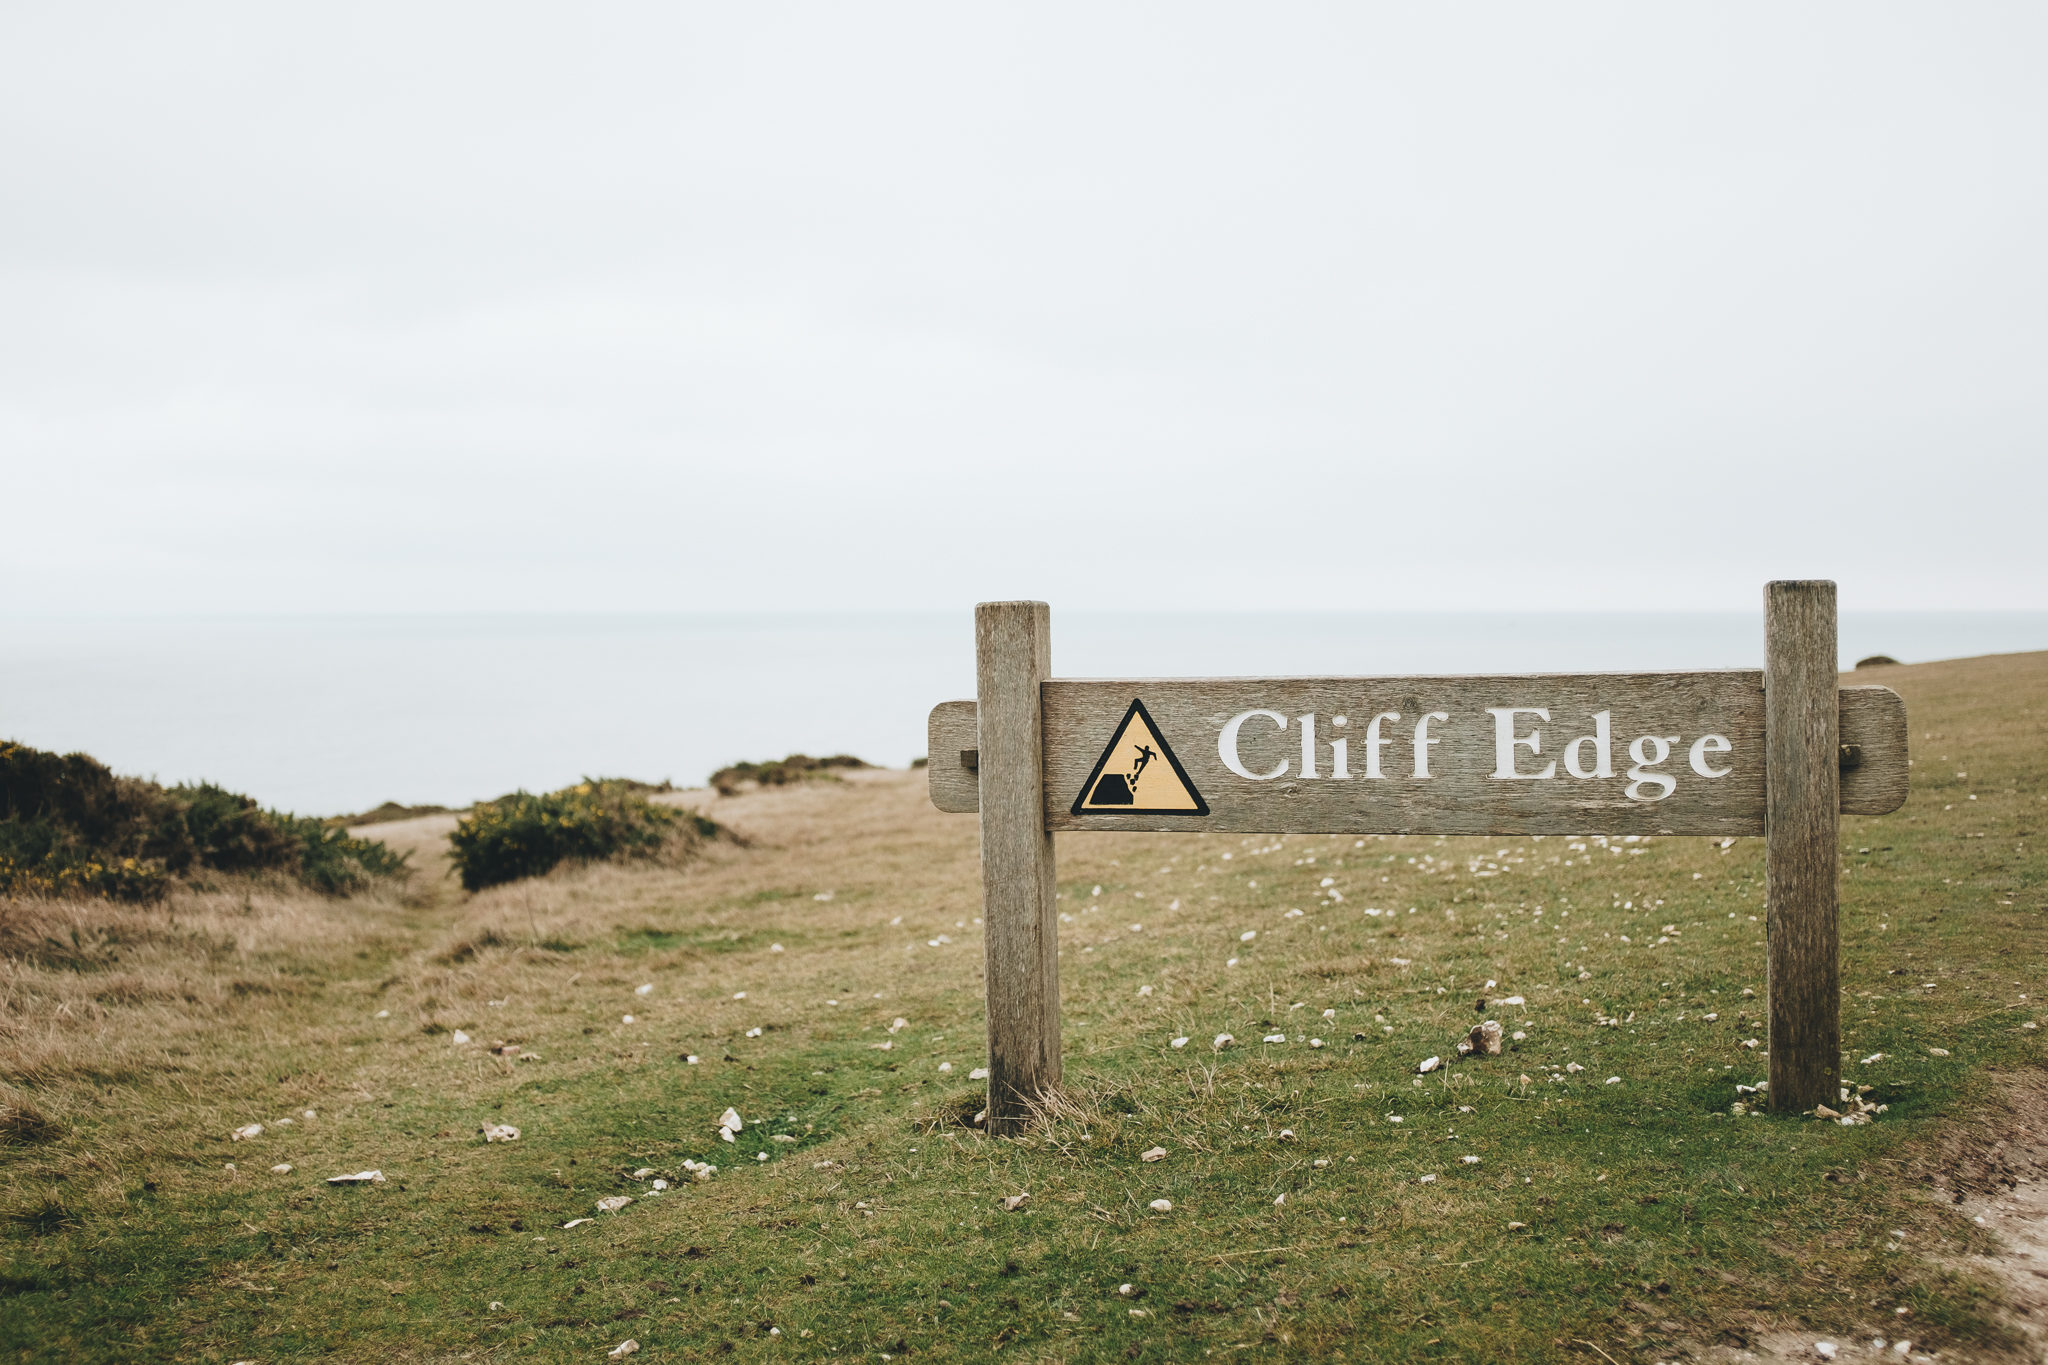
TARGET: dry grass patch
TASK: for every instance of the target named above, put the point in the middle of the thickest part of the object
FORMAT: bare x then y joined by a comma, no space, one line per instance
1642,1217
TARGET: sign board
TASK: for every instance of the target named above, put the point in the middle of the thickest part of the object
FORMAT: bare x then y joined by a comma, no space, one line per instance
1780,753
1592,753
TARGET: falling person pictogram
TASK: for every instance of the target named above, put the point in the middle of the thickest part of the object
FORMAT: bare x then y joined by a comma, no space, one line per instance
1114,789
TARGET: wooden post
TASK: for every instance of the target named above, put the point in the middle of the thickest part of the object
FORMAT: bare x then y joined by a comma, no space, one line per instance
1013,656
1802,818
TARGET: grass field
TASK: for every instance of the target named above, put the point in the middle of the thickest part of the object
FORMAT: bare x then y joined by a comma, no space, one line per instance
1326,1201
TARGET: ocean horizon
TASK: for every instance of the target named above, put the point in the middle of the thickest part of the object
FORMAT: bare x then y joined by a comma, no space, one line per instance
334,714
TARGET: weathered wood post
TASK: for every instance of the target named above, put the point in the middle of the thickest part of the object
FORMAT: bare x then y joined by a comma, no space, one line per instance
1012,657
1802,821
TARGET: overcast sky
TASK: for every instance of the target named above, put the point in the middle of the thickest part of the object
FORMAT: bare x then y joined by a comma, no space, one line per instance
688,307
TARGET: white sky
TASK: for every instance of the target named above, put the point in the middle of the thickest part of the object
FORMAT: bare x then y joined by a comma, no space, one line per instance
690,307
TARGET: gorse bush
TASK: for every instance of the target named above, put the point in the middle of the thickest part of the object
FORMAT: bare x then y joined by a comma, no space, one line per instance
70,827
781,772
524,835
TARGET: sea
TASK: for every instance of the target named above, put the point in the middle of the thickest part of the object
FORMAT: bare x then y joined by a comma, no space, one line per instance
326,715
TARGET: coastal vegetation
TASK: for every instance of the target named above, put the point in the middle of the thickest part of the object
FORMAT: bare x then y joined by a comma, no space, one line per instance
69,826
781,772
524,835
1241,1045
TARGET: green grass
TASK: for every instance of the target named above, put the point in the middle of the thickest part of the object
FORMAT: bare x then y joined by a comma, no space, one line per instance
1656,1223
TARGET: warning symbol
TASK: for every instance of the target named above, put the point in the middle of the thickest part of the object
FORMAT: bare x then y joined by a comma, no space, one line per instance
1138,774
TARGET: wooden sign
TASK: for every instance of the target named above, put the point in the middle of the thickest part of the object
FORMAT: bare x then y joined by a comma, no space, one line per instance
1778,753
1622,753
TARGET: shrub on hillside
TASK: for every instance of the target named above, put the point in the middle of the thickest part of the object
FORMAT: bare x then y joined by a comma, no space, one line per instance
524,835
388,813
781,772
69,826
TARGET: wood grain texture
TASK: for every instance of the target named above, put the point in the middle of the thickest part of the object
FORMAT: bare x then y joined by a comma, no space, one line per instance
949,733
1013,656
1873,719
1801,832
1461,795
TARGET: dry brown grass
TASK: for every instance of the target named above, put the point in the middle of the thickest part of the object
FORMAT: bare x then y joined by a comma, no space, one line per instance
132,1041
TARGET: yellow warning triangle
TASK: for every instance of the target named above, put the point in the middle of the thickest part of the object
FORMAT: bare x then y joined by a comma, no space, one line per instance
1138,774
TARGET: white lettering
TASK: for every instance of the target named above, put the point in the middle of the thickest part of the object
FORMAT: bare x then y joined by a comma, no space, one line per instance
1709,744
1226,745
1505,740
1308,744
1602,740
1423,739
1648,752
1374,742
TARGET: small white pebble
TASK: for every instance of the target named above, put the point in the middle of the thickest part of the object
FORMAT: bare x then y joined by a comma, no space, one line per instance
945,1066
646,988
1144,990
625,1018
1247,936
1161,1206
1178,1043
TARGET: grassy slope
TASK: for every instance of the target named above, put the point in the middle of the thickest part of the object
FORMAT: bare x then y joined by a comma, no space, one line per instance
1653,1217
